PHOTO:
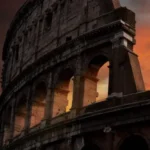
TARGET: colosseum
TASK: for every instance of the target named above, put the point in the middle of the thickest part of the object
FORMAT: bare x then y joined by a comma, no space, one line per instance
71,80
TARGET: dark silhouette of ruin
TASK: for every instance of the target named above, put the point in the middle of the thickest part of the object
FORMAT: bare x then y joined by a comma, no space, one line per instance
71,80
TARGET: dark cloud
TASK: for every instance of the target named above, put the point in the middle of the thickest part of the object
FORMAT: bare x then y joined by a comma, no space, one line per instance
8,9
141,8
136,4
142,48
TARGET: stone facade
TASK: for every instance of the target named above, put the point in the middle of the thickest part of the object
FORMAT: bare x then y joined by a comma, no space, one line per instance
53,52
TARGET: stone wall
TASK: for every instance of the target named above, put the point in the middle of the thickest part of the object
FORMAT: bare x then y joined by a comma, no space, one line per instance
56,48
31,36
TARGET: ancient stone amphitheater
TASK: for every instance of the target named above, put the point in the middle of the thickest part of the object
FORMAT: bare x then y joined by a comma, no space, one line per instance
54,97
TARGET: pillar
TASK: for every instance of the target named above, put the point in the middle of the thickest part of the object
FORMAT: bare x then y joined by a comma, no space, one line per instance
8,124
49,101
6,136
78,89
29,110
12,121
125,71
49,104
115,85
78,92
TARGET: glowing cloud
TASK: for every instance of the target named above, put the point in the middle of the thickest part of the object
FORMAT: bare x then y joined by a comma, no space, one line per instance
142,48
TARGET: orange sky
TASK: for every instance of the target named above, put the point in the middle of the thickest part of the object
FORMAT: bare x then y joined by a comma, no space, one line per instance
142,48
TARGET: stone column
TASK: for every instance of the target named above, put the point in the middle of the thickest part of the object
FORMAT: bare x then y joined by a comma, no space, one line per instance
29,110
78,92
6,137
49,104
125,71
115,88
6,125
12,121
78,89
39,32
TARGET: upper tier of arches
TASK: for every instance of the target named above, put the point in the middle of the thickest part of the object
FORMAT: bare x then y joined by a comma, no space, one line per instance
41,26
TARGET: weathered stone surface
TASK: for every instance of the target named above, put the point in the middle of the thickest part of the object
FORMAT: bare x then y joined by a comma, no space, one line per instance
53,52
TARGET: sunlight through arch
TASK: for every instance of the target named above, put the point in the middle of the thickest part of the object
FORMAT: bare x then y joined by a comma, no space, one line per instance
96,82
103,82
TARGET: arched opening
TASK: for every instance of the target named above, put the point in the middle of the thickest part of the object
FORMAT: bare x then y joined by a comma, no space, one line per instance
90,147
20,115
96,81
7,125
38,104
63,94
134,142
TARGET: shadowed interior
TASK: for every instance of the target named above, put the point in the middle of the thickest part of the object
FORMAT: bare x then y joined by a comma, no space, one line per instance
134,142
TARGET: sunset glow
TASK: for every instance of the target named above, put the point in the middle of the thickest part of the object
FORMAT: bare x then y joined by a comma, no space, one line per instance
102,85
142,47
